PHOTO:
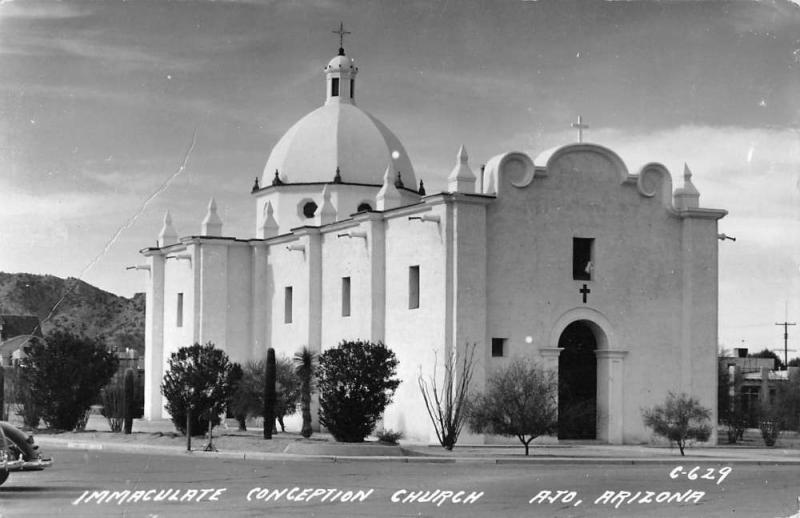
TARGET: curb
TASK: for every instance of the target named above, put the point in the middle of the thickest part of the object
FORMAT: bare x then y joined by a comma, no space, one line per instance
284,457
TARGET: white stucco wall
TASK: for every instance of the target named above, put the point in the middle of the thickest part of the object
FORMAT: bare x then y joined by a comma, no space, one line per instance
415,334
346,257
637,285
288,268
239,303
288,200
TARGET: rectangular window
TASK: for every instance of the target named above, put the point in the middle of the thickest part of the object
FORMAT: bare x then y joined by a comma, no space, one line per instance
413,287
352,88
287,305
345,296
335,87
498,347
582,258
179,311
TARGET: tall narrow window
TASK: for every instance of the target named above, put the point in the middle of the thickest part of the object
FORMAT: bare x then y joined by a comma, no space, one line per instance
352,88
582,258
179,311
335,87
413,287
498,347
345,296
287,305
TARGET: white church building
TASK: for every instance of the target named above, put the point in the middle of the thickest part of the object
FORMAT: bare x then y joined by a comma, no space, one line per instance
608,277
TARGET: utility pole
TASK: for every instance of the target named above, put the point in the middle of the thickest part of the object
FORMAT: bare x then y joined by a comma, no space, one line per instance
785,325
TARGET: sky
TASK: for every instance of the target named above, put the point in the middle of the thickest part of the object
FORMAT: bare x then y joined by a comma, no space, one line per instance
101,102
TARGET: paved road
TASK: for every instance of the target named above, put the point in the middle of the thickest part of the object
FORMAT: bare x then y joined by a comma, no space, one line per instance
129,485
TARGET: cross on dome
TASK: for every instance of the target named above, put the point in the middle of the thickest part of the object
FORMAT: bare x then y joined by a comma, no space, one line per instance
341,32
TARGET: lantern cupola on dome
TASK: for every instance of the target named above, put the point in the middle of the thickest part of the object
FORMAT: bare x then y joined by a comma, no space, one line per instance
338,136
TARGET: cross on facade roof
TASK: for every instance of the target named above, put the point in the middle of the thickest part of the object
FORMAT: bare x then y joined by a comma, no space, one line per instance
580,126
341,32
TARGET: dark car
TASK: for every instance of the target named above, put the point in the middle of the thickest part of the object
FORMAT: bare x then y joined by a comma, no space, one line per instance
18,452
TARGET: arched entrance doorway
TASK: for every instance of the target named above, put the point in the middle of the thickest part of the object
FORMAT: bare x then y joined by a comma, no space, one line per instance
577,382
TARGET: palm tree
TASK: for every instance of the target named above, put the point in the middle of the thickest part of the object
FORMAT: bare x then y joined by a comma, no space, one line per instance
305,364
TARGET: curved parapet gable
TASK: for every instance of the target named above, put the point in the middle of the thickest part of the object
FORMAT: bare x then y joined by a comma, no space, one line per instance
589,171
654,180
562,153
516,165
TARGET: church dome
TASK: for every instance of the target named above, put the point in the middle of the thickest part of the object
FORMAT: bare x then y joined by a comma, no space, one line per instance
338,135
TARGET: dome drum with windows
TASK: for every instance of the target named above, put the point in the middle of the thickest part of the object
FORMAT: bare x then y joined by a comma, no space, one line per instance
338,151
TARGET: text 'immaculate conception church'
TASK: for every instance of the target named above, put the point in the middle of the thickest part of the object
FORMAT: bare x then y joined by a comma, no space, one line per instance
607,277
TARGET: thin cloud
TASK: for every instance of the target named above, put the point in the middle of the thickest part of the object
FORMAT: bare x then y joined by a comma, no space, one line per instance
41,10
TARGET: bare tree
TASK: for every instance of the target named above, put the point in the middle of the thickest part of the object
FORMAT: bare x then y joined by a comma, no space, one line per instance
447,405
520,401
679,419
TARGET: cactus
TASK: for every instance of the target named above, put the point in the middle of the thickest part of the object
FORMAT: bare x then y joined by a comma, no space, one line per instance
128,402
2,393
305,361
269,394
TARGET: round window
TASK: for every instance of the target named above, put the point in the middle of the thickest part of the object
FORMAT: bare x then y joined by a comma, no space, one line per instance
364,207
309,209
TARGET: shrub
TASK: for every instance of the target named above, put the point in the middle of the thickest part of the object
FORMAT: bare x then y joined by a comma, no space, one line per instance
520,401
389,436
770,429
447,404
247,399
83,420
679,419
19,398
198,378
113,399
731,410
770,421
356,383
788,402
65,374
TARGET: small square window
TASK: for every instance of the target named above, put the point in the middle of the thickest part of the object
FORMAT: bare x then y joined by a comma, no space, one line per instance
345,296
287,305
413,287
498,347
582,258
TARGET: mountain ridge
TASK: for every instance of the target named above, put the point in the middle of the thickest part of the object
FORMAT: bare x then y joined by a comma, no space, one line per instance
76,306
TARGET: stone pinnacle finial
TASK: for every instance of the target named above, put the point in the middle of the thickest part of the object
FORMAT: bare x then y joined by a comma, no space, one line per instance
168,235
687,197
269,227
327,213
462,154
212,224
388,197
461,179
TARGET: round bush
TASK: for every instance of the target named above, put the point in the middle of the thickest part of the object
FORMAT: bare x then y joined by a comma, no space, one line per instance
356,382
